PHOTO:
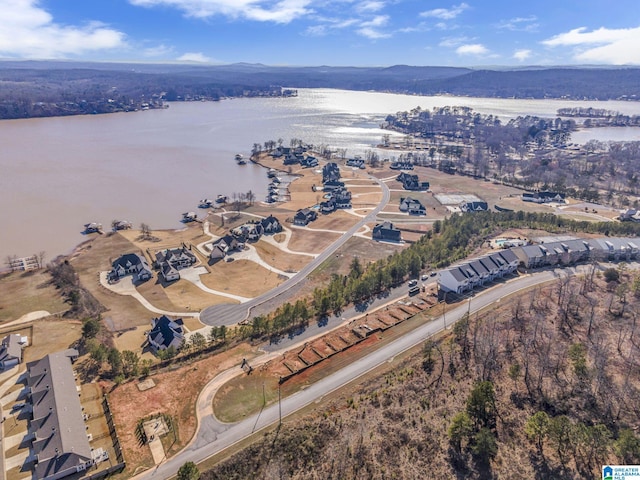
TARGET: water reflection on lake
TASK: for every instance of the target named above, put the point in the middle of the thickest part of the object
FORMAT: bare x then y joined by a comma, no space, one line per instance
58,173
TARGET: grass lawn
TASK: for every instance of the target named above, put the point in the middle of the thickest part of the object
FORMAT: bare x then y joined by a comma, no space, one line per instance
24,292
304,240
281,260
241,277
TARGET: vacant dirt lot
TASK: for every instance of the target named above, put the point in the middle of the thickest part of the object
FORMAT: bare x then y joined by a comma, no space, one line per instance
338,220
241,277
128,404
304,240
279,259
24,292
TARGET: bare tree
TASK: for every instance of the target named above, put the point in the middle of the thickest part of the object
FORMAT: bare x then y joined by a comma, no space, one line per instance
145,230
41,256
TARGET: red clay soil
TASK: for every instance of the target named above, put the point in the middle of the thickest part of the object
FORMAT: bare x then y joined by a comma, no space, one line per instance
308,356
322,348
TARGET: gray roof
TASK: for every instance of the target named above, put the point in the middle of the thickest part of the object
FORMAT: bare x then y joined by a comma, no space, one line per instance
11,347
479,267
508,255
60,435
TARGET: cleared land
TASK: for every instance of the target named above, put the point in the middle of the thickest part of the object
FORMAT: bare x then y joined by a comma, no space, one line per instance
279,259
129,404
241,277
25,292
305,240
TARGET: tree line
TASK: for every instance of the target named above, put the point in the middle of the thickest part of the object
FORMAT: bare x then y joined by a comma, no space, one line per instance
451,240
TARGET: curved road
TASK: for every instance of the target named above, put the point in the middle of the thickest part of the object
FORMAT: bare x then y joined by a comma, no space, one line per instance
213,437
230,314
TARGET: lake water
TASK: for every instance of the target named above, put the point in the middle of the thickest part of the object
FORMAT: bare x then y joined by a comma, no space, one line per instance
57,174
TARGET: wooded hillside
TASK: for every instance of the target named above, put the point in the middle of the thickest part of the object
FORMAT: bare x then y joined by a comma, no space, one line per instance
545,386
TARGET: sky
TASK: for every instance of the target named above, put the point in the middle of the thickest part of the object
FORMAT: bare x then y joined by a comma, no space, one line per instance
472,33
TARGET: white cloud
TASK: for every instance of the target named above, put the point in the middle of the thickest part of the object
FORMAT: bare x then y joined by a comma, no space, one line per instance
522,54
377,21
372,33
453,41
329,26
520,24
604,45
158,51
476,49
283,11
29,31
370,28
195,57
446,13
370,6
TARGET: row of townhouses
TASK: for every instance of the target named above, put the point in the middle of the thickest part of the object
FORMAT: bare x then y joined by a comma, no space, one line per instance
480,271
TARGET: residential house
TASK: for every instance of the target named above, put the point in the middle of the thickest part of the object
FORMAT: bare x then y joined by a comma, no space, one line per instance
292,159
342,198
224,246
60,443
271,225
412,206
615,248
328,207
453,280
330,172
470,207
130,264
304,216
179,258
165,333
386,231
629,215
553,253
309,162
477,272
251,231
11,350
356,162
411,182
544,197
332,185
401,166
169,272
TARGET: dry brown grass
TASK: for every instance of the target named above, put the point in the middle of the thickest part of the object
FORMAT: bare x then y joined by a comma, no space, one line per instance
304,240
175,393
51,336
134,340
241,277
191,234
24,292
338,220
97,256
279,259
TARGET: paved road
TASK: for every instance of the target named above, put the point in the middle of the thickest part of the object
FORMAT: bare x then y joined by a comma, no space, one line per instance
213,437
230,314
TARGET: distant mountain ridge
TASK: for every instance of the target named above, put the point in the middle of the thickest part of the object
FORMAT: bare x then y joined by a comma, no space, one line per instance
47,83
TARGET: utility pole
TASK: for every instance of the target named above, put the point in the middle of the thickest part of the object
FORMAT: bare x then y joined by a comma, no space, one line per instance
279,403
444,309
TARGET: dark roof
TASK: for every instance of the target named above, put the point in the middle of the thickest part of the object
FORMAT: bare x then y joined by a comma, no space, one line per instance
60,435
11,347
508,255
128,260
165,330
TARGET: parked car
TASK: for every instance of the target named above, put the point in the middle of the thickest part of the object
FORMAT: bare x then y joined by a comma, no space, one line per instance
412,283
